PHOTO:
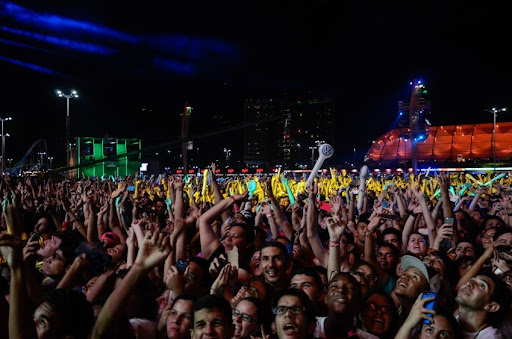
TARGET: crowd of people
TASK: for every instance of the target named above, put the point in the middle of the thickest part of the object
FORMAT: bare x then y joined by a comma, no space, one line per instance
257,256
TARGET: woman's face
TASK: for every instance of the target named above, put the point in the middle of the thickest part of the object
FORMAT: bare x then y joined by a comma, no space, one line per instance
440,328
377,316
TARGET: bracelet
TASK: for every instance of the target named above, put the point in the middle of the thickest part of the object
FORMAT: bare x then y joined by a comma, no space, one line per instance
232,197
270,215
334,243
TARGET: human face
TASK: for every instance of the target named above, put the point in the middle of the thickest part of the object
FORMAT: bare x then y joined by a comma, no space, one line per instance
234,236
393,239
46,322
369,273
194,275
416,245
342,295
55,265
90,284
243,327
211,324
411,283
465,249
160,207
440,328
360,233
491,223
273,265
487,237
289,325
179,320
42,226
435,262
306,284
377,315
505,239
49,246
476,293
386,258
464,267
117,252
254,265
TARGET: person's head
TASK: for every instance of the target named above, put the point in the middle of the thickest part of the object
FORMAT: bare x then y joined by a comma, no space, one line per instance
179,321
369,272
119,253
197,277
487,236
507,279
294,314
361,228
465,249
238,234
343,294
413,280
387,256
442,264
463,264
109,240
378,312
254,265
247,316
275,262
493,221
159,206
64,313
392,236
63,245
308,281
212,317
417,244
70,238
503,237
484,293
44,225
444,326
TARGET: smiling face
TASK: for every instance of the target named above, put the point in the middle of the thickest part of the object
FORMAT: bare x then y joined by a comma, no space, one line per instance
378,315
343,295
273,265
410,284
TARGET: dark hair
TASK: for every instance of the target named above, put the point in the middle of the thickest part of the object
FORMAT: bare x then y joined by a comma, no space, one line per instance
393,248
391,302
501,295
500,231
304,300
186,297
446,313
70,240
280,245
352,279
213,302
249,234
391,230
260,306
73,310
310,272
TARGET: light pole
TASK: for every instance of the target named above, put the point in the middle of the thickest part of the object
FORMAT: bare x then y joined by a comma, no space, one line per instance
49,158
10,162
3,143
71,95
42,155
312,148
228,154
495,111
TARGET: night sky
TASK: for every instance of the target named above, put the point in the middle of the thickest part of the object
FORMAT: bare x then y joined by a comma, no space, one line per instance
136,66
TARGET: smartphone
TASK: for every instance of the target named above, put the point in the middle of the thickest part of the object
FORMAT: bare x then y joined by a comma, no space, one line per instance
430,305
181,265
449,221
385,204
36,237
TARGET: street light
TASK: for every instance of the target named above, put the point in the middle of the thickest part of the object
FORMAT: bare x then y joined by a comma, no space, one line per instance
42,155
71,95
49,158
3,143
494,111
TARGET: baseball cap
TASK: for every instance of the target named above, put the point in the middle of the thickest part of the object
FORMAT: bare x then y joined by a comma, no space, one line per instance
112,238
411,261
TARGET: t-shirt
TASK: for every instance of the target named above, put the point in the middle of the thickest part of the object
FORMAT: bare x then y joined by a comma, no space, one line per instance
487,333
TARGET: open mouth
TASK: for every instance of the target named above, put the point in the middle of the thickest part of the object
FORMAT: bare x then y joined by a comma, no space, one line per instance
289,328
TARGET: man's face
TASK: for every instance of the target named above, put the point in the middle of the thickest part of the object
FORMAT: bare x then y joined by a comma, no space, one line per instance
505,239
245,327
46,321
416,244
49,246
465,249
160,207
179,320
386,258
435,262
55,265
393,239
289,325
411,283
476,293
342,295
211,324
361,229
369,273
306,284
273,265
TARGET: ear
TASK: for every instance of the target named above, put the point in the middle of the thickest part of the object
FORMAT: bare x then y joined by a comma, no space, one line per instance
492,306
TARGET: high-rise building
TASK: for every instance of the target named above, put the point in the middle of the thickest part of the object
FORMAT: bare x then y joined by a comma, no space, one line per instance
292,137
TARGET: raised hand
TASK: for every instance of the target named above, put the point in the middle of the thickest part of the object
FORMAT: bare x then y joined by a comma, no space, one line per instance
155,248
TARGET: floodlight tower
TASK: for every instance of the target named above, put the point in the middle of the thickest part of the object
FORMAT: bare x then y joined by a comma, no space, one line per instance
72,95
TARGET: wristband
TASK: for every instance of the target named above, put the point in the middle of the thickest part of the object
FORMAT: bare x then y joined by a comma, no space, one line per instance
233,197
334,243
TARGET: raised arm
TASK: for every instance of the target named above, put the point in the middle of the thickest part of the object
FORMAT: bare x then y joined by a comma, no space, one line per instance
311,225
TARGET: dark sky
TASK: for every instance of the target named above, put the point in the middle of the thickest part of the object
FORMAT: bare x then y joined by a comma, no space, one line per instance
158,55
